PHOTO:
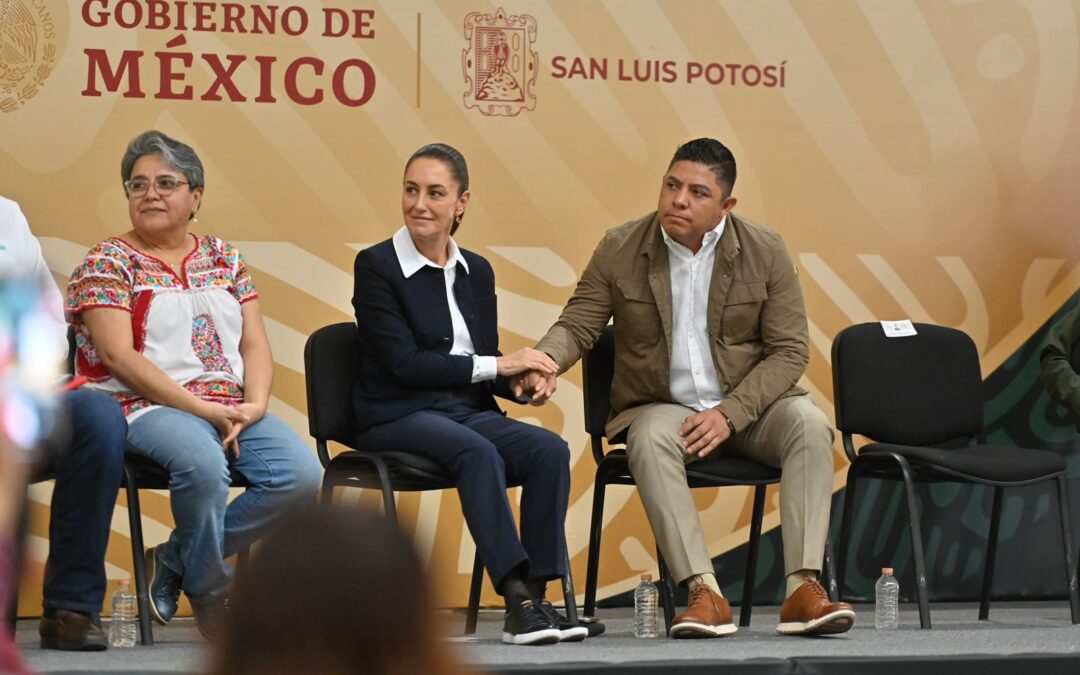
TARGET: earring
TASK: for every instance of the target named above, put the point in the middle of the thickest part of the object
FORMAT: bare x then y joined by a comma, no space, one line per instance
194,218
457,219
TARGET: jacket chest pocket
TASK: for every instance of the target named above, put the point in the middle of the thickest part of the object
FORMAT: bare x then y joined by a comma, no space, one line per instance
636,311
741,320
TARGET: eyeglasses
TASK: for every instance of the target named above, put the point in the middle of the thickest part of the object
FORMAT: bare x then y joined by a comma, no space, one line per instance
163,185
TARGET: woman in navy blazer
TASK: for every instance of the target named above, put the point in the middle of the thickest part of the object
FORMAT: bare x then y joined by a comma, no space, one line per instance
430,368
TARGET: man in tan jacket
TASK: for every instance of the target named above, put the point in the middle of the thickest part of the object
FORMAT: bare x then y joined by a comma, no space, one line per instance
710,340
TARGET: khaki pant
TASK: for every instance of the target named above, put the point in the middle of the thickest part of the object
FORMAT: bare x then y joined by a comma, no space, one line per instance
793,435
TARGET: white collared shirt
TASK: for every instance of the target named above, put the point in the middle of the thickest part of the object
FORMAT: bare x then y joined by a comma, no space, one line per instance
694,382
20,256
412,261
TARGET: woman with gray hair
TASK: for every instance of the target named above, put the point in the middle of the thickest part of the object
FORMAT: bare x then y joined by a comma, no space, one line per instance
168,322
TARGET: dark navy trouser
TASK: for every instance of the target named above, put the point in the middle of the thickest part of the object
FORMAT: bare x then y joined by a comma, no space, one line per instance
482,450
88,468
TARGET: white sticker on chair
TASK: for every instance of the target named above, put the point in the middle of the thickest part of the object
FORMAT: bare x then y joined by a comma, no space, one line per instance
898,328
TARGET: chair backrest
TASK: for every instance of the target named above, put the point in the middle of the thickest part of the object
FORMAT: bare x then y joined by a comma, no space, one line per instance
598,368
919,390
331,363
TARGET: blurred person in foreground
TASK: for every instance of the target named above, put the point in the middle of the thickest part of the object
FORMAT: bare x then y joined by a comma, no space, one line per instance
334,591
85,455
168,322
430,368
1059,362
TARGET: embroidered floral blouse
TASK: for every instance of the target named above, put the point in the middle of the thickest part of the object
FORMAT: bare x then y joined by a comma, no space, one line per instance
188,324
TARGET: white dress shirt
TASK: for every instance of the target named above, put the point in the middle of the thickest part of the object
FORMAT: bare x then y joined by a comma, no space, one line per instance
693,375
412,261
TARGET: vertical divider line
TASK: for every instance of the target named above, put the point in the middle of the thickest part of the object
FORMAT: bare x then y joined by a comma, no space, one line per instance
418,35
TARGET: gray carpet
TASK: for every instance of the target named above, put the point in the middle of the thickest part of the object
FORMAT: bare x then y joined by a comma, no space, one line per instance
1014,629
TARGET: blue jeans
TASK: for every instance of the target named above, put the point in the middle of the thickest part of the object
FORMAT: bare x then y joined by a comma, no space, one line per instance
282,472
88,468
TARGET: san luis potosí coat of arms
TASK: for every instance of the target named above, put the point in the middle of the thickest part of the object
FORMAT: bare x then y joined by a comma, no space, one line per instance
500,65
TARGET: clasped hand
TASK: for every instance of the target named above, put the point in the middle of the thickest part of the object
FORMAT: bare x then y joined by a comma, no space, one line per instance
533,373
230,421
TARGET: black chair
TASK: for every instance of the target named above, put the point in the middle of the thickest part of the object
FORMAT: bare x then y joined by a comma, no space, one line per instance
613,468
331,364
909,394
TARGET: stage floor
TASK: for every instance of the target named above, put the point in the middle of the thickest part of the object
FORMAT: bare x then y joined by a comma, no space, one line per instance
1019,638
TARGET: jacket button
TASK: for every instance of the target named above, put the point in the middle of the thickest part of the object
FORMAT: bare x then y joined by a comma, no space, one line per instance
724,275
446,339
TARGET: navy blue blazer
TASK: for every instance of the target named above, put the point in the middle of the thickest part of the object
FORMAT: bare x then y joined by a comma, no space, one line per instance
405,336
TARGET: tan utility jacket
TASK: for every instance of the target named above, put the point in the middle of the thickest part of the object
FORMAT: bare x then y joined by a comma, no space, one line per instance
756,319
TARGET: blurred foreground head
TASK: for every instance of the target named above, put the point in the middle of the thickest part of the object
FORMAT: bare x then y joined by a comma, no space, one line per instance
333,590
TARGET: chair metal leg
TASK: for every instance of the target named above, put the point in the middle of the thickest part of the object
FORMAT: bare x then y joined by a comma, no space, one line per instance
845,530
747,603
916,544
568,594
828,572
146,626
596,525
667,592
991,555
1066,534
474,595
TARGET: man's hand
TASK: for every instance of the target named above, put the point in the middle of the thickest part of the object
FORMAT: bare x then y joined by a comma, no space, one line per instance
537,385
524,360
703,431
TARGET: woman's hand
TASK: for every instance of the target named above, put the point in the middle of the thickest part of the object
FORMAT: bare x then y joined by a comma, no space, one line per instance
229,422
252,412
526,359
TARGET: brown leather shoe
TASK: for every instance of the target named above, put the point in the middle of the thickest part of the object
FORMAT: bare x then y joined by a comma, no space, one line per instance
211,615
72,632
707,615
810,612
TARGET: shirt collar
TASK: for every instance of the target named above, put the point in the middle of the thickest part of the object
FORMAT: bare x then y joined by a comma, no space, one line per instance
712,237
412,261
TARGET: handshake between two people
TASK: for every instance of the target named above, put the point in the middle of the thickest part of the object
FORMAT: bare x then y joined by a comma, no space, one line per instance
531,372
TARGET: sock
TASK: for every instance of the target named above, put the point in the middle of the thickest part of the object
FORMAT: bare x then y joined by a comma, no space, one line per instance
707,579
796,579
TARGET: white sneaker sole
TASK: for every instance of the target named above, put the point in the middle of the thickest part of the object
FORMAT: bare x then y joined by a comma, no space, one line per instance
575,634
692,629
548,636
839,621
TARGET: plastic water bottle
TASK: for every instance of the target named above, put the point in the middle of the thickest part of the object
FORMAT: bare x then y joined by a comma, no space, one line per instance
122,621
645,599
887,596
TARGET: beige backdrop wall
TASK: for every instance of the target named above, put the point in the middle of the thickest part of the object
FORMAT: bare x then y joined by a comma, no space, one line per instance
919,157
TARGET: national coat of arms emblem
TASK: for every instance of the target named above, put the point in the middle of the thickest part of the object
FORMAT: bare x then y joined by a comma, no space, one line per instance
27,51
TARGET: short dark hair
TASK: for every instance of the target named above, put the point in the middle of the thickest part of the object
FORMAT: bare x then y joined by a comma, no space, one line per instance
335,589
713,154
454,160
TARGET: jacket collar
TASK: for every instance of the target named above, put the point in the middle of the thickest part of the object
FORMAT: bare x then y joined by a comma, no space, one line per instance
412,261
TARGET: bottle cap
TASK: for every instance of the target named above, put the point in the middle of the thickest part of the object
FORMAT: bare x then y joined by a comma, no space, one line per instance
646,577
886,570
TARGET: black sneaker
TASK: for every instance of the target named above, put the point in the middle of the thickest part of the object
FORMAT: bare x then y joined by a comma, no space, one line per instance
528,624
568,632
164,588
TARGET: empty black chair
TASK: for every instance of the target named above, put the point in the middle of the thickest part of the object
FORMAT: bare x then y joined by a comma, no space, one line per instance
908,395
331,363
613,468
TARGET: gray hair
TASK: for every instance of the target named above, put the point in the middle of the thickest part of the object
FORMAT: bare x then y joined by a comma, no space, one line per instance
176,155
